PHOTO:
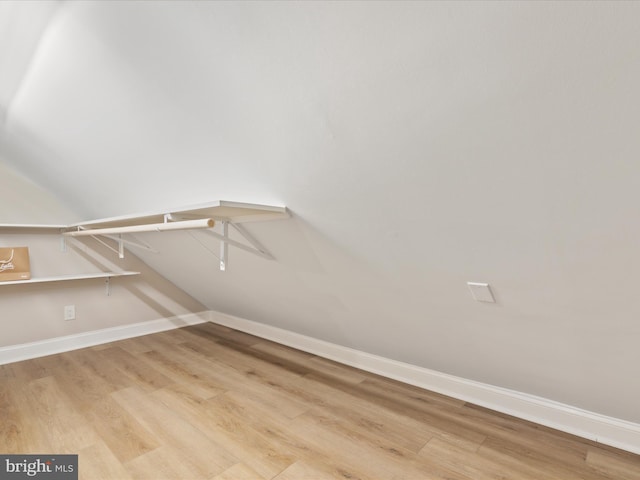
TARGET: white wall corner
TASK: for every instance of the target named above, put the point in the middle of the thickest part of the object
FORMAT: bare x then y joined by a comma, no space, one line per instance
26,351
593,426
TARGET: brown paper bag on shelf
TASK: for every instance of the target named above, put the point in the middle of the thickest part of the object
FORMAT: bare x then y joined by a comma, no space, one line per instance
14,264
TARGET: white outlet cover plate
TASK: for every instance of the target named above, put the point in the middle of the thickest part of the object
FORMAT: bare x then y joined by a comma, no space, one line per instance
70,312
481,292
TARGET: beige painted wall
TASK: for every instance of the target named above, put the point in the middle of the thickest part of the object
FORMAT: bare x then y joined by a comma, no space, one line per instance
33,312
23,201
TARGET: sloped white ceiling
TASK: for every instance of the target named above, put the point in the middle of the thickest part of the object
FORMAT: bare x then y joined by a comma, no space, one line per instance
419,145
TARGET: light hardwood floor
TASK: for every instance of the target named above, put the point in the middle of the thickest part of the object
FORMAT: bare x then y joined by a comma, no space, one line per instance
207,402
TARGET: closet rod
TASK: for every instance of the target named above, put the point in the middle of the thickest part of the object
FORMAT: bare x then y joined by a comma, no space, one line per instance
154,227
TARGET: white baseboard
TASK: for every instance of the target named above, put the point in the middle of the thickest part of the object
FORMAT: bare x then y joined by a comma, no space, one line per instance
600,428
26,351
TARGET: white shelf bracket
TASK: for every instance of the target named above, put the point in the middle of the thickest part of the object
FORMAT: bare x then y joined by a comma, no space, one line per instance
255,247
99,240
260,250
107,283
224,250
120,247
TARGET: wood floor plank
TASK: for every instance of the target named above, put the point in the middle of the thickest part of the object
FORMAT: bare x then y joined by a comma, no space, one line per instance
58,420
283,351
18,432
6,371
28,435
234,434
163,463
251,378
534,437
97,462
81,388
622,467
242,356
334,369
470,463
206,458
404,393
374,458
224,334
318,389
211,403
427,421
306,469
30,369
174,369
264,427
351,433
404,431
239,471
533,462
119,430
134,346
95,367
139,372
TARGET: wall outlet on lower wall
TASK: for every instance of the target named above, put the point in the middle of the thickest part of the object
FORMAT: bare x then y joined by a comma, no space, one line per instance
70,312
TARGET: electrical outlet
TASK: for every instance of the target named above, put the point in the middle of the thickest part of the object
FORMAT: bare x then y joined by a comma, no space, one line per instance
70,312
